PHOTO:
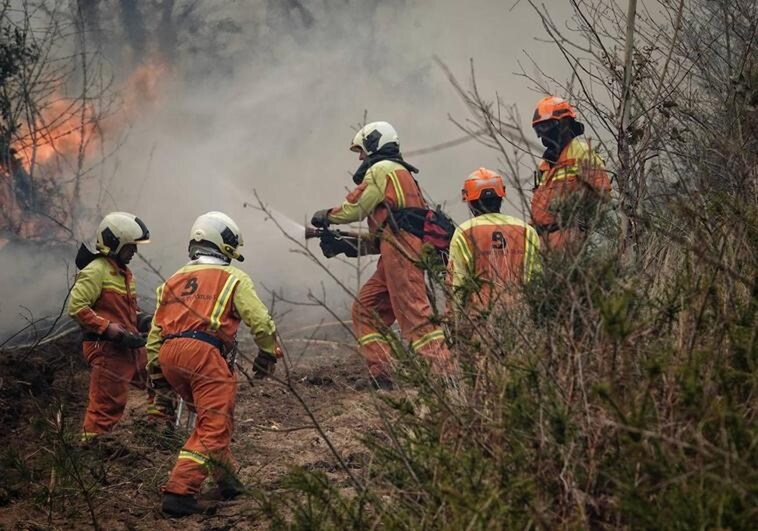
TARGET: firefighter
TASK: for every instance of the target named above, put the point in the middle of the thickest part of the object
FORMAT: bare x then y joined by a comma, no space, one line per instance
191,347
491,255
570,175
104,302
396,291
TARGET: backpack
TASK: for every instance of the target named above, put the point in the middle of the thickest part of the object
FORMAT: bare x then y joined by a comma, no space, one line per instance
434,227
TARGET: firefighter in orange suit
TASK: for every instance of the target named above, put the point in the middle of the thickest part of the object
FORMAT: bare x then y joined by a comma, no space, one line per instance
104,302
570,169
396,291
190,349
492,255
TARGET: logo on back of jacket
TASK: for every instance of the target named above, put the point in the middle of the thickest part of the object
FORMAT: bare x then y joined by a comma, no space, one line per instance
188,292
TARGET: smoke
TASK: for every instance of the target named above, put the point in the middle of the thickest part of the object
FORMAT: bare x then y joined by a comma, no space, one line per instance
266,96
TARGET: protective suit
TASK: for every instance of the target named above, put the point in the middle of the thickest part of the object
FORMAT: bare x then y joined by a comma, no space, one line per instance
396,291
105,292
193,335
492,255
104,302
572,177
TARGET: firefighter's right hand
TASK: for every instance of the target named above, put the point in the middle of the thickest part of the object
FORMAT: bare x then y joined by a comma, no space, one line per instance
131,340
264,364
321,218
114,332
118,334
144,322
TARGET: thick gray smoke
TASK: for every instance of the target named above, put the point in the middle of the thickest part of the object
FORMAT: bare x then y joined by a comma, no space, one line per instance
272,101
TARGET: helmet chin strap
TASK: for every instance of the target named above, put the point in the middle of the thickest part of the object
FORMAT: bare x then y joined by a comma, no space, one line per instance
197,250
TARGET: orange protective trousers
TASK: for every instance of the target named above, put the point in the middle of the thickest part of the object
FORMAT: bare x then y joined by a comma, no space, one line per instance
199,374
397,291
112,369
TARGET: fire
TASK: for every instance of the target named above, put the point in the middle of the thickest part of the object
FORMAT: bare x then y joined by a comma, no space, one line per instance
63,127
67,128
64,133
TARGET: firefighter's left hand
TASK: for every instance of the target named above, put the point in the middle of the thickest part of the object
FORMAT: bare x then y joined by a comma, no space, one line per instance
331,246
264,364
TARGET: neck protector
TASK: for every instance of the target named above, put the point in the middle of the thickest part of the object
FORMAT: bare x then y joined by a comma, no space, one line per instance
388,152
559,139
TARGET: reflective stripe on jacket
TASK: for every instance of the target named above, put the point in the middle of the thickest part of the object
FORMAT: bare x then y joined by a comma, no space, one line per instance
104,292
495,250
209,298
387,185
578,169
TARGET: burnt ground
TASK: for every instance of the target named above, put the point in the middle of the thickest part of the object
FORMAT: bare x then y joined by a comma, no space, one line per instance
49,481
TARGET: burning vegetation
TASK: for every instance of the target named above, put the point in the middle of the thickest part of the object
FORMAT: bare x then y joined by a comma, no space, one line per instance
617,389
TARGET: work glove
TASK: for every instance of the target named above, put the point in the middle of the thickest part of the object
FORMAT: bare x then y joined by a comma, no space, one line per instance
264,364
321,218
331,246
131,340
120,336
144,322
114,332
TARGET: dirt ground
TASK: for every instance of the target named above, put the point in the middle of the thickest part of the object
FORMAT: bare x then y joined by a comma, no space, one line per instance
50,482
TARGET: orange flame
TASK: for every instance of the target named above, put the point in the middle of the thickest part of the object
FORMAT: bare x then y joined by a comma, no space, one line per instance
65,127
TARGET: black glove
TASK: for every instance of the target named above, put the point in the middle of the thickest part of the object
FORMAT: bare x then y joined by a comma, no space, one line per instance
331,245
144,322
130,340
264,364
321,218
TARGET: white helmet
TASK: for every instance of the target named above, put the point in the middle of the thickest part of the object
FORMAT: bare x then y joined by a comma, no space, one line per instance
220,230
373,137
118,229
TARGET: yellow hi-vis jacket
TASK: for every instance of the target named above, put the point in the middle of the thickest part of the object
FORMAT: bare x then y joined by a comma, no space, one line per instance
490,255
210,298
104,292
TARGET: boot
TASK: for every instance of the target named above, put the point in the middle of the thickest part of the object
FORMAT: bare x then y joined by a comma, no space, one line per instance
230,487
382,383
184,505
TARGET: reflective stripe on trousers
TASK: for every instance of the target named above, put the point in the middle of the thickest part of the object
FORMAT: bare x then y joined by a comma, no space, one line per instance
397,291
199,374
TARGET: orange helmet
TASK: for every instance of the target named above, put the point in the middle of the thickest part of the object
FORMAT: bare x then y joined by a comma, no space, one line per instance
552,108
482,181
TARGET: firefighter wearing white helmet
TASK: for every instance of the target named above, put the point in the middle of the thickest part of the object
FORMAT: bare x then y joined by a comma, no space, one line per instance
215,232
372,137
104,302
191,348
386,191
119,229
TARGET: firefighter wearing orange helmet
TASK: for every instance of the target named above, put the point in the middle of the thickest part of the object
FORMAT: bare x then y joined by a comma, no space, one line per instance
104,302
396,291
492,254
191,350
570,172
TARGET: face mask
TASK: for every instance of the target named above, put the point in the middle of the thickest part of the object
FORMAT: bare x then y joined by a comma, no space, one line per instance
550,142
544,128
